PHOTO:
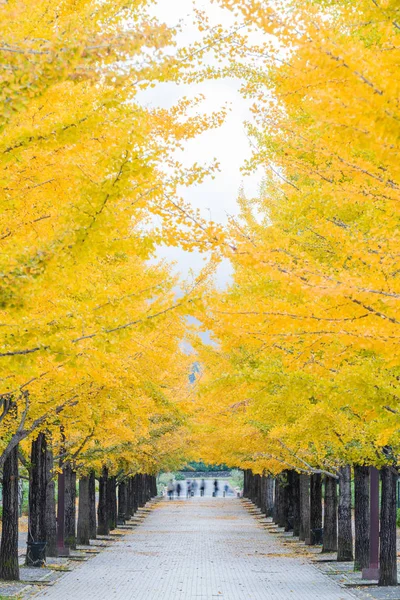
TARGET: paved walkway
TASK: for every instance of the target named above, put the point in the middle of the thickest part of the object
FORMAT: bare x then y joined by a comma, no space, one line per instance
201,548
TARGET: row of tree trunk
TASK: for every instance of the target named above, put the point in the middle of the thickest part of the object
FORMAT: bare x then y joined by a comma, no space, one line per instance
297,503
119,499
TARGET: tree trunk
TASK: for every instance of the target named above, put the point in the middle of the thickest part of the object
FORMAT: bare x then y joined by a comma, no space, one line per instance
129,497
102,516
262,494
251,485
259,498
275,516
296,503
345,535
255,489
315,508
9,569
122,501
330,515
289,501
37,493
281,502
50,511
387,554
83,514
304,533
135,490
70,506
92,505
143,488
269,496
361,517
112,503
138,489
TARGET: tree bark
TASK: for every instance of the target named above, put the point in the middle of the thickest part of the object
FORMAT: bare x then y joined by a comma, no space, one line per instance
330,515
387,553
269,496
275,515
296,503
135,494
92,505
304,534
345,535
112,503
83,513
262,494
361,517
70,506
129,497
281,502
9,569
289,501
245,483
259,498
102,516
315,507
37,493
50,511
122,501
251,486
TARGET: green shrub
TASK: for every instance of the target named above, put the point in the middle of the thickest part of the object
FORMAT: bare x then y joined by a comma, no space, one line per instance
398,517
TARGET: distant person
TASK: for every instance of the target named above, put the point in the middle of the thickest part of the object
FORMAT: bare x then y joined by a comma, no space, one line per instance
170,489
194,487
226,489
215,488
189,488
202,487
178,489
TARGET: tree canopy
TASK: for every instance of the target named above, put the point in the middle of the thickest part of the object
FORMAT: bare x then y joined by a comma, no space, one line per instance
304,368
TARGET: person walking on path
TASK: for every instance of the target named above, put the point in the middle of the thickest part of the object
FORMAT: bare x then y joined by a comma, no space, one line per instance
215,488
202,487
189,488
178,489
170,489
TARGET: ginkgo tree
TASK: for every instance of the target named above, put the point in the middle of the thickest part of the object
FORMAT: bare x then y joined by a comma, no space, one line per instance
308,331
89,187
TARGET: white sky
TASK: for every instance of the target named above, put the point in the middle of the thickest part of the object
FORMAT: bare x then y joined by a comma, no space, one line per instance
228,144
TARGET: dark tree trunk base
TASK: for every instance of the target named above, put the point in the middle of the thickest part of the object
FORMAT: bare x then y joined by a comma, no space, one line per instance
330,516
37,494
102,517
92,506
345,535
388,553
70,506
9,569
50,512
304,533
83,512
361,517
316,509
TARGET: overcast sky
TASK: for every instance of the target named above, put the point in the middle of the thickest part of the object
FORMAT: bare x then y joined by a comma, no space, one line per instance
228,144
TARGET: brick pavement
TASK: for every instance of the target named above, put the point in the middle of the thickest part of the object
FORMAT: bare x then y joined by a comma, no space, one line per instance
201,548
